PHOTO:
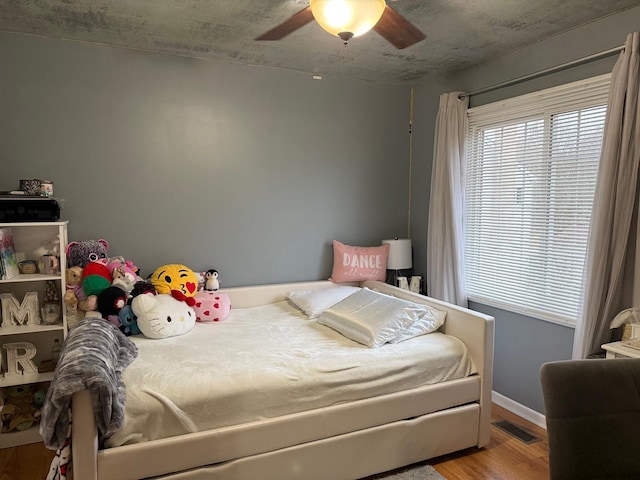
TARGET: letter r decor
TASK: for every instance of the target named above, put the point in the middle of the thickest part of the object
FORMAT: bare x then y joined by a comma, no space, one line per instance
19,355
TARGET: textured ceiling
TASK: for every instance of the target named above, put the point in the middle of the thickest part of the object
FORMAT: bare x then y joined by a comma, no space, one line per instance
460,33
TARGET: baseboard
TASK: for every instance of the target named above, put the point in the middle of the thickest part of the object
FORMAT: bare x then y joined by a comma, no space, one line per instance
518,409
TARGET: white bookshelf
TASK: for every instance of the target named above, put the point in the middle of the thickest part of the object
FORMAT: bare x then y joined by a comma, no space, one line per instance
29,239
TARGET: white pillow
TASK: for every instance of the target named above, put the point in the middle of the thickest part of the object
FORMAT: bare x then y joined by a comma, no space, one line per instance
314,302
431,321
374,319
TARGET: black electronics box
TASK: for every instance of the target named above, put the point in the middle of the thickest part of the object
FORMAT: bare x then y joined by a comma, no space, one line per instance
25,208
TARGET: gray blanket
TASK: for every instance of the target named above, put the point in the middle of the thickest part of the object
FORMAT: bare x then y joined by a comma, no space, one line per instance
93,357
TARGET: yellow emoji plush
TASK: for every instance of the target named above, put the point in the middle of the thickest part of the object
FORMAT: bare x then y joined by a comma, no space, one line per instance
175,277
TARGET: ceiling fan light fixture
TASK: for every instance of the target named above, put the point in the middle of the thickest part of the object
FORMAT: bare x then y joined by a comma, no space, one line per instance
347,18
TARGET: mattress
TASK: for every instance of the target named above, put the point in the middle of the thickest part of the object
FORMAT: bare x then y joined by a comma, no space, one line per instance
264,362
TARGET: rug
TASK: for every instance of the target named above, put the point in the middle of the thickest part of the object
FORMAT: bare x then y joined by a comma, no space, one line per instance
418,471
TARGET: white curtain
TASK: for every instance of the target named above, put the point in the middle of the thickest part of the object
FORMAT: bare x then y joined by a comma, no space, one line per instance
445,235
611,253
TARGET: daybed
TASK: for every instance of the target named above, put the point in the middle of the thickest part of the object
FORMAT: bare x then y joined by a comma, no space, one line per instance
345,440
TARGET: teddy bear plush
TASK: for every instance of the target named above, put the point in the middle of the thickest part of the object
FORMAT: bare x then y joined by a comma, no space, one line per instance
81,253
76,301
162,316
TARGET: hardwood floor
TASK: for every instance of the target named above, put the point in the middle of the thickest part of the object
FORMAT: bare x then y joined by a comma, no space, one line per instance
28,462
504,458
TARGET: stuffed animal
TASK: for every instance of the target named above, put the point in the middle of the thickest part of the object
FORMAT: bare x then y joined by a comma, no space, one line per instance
18,412
123,273
178,295
12,418
128,321
211,280
76,301
81,253
211,306
95,277
141,287
110,301
175,277
39,397
162,316
73,293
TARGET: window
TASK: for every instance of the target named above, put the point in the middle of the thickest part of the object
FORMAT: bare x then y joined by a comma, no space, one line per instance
532,163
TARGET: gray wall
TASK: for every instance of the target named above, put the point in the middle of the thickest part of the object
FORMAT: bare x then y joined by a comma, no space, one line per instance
523,344
253,171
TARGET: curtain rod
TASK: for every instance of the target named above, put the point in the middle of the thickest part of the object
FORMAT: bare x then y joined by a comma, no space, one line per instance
557,68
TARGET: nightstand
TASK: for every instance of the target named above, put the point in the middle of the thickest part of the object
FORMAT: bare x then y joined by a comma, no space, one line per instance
618,350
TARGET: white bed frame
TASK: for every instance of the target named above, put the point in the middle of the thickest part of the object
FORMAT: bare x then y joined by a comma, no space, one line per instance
344,441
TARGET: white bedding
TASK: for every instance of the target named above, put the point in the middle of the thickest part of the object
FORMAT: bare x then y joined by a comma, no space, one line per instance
267,361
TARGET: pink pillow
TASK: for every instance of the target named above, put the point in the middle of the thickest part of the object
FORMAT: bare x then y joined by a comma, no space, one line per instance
355,264
211,306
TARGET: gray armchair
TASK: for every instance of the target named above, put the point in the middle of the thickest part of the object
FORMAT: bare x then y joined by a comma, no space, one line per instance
592,411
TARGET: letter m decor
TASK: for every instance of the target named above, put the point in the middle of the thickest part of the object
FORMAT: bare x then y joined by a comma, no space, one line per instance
14,313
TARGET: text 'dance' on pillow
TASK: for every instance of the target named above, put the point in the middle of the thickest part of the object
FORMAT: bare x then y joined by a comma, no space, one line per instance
356,264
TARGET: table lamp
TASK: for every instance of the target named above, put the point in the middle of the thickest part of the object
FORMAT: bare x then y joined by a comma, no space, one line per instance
399,258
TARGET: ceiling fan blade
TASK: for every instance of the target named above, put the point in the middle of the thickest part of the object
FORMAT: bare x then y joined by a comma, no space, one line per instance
290,25
397,30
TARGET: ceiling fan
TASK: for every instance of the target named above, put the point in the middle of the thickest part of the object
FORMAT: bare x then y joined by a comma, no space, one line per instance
351,18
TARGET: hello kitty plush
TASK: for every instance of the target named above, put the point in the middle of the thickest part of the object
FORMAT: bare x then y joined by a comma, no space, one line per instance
162,316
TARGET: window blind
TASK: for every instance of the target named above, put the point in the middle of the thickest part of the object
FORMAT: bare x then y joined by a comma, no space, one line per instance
532,163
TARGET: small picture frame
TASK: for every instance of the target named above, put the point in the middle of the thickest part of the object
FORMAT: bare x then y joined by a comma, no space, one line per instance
51,313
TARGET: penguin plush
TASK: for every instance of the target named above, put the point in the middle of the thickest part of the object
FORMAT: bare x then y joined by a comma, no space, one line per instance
211,282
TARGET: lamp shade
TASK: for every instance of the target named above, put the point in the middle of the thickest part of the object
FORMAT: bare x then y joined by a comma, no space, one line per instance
399,254
347,16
